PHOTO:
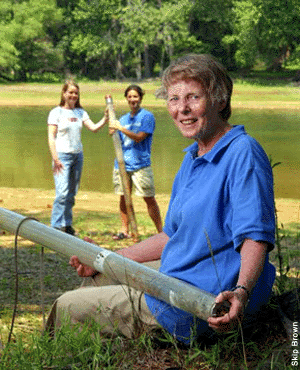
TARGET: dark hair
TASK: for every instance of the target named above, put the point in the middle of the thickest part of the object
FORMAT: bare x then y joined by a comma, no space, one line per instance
65,87
205,69
136,88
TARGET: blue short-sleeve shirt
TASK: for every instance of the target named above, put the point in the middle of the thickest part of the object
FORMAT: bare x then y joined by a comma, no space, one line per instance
137,155
218,200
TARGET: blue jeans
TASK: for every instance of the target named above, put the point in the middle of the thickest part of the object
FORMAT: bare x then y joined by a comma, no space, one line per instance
66,187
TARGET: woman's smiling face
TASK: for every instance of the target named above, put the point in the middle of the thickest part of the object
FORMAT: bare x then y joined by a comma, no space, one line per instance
71,96
134,100
194,115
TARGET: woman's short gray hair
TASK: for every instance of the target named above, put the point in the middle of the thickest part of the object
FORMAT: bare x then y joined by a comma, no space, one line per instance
205,69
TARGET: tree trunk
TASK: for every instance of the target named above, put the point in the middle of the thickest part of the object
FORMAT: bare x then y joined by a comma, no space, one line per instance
147,73
276,65
119,68
21,76
138,68
162,65
170,47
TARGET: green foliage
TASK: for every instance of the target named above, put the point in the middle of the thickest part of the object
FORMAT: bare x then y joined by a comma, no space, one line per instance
122,35
25,28
246,17
210,21
139,38
174,32
92,21
265,29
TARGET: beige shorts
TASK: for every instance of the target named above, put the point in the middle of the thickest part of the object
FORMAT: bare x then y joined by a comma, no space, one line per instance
142,180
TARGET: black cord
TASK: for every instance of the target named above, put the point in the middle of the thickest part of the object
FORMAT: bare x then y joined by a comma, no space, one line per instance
42,286
16,276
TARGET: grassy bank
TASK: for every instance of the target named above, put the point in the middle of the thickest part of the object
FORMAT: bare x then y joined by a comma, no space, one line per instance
245,95
96,215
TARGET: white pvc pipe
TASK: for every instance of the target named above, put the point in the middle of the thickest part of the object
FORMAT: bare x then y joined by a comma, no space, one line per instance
173,291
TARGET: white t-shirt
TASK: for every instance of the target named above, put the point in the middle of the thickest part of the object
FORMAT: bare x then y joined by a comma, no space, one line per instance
69,125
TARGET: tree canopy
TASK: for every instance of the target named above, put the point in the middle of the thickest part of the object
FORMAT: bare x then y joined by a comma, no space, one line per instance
138,38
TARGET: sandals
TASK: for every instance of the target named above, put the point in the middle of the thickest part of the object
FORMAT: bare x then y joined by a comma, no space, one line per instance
120,236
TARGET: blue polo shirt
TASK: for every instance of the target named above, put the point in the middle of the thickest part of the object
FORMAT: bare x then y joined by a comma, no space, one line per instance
137,155
224,196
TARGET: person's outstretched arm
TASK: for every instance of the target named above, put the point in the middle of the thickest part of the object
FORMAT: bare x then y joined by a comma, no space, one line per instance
148,250
95,127
145,251
137,137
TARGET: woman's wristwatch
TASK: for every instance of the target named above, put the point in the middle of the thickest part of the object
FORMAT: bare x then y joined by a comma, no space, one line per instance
242,287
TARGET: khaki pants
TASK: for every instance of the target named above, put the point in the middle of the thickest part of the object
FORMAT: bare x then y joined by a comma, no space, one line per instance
117,308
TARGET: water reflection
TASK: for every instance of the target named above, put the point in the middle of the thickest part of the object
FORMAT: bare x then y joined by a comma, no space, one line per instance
26,162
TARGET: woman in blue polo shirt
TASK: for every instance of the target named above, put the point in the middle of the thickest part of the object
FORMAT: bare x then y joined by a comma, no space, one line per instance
222,203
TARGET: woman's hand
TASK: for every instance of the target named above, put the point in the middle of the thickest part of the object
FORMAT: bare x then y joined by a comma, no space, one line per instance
82,269
111,131
57,167
237,300
253,256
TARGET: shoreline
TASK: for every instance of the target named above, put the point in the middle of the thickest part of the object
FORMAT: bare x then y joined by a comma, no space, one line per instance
244,96
34,201
274,105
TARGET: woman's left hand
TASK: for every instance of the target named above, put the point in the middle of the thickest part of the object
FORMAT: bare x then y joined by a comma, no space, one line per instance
237,300
111,131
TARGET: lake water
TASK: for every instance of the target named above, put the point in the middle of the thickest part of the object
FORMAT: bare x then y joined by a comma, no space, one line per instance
26,162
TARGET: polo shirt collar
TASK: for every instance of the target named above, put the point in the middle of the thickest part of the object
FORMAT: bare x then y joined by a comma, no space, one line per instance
225,140
135,113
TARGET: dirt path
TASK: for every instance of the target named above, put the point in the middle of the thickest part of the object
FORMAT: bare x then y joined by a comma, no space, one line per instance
37,200
38,203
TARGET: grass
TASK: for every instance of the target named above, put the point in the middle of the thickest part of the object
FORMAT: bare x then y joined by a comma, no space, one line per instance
248,93
265,347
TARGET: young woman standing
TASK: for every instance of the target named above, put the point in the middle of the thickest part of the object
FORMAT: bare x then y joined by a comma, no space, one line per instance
64,138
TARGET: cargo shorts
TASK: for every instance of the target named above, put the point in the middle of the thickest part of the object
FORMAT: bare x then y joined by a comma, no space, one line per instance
142,179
